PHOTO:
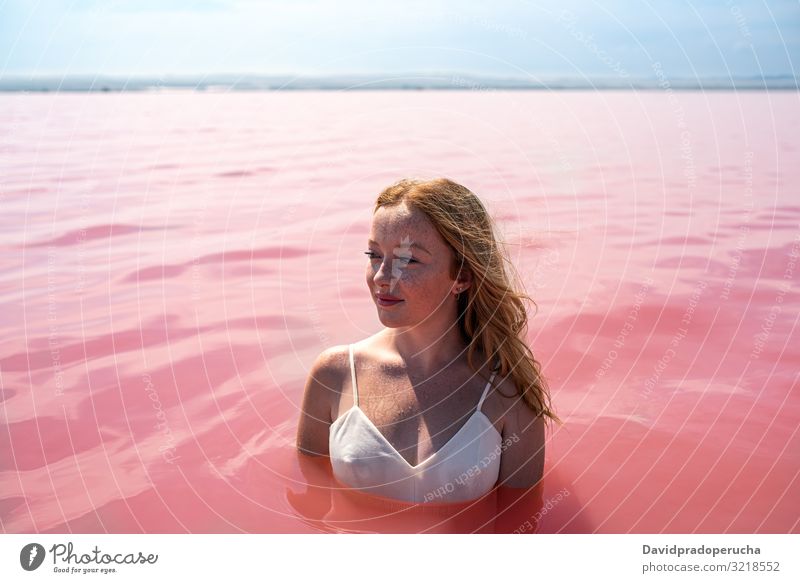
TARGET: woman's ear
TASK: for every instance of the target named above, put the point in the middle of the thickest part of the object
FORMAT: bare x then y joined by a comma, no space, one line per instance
463,275
464,279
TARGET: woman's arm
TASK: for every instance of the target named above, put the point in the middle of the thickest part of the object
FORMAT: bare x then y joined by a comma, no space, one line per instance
312,436
322,388
520,484
315,502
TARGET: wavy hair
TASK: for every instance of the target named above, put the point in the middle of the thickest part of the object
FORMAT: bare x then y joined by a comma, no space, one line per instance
491,313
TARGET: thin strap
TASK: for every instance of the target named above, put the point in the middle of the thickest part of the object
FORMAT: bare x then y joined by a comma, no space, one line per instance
486,390
353,372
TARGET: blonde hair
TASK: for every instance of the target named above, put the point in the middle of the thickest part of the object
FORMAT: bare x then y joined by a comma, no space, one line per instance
491,314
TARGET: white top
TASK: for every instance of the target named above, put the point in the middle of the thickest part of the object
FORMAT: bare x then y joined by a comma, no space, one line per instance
465,468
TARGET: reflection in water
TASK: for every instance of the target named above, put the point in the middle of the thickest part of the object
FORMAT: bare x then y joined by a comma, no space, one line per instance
328,506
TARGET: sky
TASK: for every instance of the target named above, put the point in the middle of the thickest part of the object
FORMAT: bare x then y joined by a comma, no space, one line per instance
567,38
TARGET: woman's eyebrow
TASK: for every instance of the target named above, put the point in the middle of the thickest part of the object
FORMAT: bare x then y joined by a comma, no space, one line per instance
417,245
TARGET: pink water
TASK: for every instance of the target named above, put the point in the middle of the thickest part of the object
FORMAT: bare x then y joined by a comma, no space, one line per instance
172,263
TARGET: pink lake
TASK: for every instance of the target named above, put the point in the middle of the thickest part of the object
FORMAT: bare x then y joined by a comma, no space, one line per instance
173,262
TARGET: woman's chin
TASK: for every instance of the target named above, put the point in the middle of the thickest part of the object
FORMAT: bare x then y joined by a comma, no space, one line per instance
390,320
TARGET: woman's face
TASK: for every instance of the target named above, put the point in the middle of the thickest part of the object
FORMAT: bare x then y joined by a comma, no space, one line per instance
409,261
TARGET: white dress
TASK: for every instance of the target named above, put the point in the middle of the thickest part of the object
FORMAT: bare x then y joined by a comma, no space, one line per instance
465,468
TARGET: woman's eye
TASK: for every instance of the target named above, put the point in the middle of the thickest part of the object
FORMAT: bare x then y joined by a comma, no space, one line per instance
373,255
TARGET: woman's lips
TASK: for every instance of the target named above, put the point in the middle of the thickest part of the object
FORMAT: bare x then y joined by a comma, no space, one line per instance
387,303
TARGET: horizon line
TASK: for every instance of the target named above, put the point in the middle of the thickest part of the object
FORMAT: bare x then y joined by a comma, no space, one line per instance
450,80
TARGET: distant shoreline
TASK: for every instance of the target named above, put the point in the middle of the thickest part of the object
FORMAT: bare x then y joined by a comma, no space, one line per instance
411,82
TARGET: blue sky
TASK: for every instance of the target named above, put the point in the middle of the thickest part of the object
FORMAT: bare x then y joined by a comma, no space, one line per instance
505,38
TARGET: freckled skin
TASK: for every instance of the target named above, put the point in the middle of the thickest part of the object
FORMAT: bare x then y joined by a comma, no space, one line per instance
415,383
424,283
421,336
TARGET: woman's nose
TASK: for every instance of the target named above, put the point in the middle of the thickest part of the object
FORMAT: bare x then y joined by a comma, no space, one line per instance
383,275
390,272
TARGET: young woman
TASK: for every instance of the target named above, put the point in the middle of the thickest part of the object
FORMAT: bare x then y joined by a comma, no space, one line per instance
446,401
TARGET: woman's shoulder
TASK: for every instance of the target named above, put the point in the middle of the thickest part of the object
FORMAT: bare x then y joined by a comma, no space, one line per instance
371,352
331,363
502,400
